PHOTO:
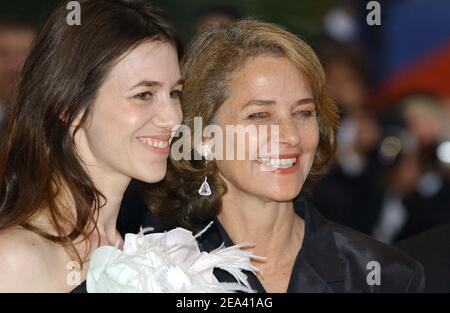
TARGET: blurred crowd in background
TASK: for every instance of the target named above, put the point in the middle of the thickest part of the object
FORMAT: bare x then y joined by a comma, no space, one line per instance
391,176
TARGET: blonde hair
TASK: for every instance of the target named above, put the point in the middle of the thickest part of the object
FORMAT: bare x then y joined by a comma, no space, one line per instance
213,56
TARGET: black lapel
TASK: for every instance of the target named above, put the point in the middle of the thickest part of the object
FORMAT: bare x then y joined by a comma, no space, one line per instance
317,267
212,239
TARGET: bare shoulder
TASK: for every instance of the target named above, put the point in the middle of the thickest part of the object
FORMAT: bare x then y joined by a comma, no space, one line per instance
23,261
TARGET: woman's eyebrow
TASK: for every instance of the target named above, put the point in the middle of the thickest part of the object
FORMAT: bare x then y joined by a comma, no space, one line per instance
179,82
259,103
305,101
272,102
147,83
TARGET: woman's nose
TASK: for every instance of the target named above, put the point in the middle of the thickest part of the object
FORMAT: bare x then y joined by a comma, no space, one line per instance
168,114
289,132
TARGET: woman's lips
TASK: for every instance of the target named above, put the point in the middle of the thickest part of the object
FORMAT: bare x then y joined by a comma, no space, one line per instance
158,144
283,164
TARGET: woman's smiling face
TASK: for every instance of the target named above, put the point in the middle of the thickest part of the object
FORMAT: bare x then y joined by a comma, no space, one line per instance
270,91
129,130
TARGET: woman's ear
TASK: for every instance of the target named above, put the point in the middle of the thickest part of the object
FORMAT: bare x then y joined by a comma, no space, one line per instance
76,122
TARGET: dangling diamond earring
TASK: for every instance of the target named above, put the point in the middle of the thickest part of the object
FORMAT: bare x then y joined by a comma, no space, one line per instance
205,190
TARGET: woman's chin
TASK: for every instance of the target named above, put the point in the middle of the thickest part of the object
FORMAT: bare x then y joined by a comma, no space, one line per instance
283,195
152,175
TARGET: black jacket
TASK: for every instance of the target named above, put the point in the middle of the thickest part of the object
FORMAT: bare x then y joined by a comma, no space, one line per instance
432,250
333,258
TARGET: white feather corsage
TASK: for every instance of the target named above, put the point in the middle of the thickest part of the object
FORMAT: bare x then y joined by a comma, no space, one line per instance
167,262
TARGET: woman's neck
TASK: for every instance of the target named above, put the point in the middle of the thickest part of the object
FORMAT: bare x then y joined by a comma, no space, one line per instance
112,186
109,182
273,227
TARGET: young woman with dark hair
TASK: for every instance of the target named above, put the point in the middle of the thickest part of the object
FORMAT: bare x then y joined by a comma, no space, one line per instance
95,107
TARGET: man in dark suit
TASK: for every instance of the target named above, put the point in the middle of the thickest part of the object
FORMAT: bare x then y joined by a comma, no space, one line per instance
432,250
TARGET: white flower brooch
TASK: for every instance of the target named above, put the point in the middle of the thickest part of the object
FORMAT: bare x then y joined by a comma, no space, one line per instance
167,262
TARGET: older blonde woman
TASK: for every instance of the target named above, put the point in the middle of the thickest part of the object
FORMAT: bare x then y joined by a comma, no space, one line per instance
251,73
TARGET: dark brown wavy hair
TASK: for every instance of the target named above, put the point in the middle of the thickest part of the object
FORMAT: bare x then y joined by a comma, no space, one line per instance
57,86
213,56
